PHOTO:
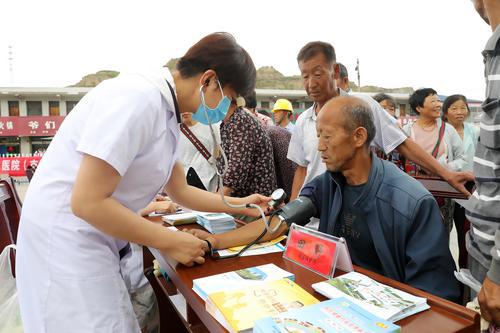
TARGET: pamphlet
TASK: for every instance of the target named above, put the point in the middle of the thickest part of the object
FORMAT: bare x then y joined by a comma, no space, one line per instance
236,279
237,309
383,301
338,315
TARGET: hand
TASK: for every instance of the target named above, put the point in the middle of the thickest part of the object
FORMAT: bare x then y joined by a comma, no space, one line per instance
185,248
489,301
160,197
203,235
458,179
259,200
161,207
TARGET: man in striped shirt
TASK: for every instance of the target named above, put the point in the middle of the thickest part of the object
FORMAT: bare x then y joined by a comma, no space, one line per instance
482,210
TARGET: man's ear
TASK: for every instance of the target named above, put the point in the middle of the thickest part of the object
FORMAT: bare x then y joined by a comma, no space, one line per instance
208,78
336,71
360,136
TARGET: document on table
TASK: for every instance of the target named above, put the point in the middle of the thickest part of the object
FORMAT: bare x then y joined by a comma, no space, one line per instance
271,246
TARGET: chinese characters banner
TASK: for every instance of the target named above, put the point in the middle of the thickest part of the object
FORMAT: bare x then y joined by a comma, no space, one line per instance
16,166
30,126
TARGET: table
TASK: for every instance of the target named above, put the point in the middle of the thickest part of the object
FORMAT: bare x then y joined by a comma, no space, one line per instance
443,316
440,188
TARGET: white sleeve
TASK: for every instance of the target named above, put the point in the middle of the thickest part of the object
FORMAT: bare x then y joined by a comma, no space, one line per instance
296,151
120,127
388,135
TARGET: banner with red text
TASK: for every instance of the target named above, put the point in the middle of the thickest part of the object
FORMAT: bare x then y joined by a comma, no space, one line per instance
16,166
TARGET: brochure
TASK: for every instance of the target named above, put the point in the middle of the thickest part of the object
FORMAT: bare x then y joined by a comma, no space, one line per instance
237,309
337,315
237,279
379,299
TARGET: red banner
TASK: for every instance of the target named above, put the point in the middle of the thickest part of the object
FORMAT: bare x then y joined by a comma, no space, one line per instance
16,166
30,126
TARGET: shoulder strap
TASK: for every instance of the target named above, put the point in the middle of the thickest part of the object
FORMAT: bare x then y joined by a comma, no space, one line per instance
440,138
195,141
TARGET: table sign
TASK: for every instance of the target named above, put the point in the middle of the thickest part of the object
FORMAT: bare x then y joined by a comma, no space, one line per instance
311,249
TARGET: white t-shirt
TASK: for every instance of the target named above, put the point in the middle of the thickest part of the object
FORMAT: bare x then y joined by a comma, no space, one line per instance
303,148
129,124
191,157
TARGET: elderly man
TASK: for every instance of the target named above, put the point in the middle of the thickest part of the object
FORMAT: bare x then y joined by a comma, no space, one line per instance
390,221
319,71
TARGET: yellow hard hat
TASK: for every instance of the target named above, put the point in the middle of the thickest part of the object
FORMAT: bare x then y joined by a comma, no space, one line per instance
283,104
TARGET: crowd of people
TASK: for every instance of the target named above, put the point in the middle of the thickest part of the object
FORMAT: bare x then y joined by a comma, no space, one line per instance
135,136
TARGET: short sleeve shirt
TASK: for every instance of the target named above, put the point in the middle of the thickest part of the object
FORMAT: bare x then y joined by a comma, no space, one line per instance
303,148
249,153
125,122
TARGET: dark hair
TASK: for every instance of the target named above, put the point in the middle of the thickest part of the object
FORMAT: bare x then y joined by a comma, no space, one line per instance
450,100
418,97
251,100
264,112
220,52
312,49
384,97
359,114
343,71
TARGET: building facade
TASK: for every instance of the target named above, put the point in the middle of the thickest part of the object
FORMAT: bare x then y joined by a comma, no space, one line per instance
30,116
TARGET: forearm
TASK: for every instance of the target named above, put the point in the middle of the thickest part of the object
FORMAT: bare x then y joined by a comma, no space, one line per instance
494,272
246,234
205,201
194,198
415,153
110,217
298,181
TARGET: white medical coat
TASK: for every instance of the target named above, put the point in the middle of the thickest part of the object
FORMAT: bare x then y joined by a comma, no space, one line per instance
68,272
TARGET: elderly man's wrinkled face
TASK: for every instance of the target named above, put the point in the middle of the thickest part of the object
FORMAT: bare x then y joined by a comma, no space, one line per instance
318,77
335,143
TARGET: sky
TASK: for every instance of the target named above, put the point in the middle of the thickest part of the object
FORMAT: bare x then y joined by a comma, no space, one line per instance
424,43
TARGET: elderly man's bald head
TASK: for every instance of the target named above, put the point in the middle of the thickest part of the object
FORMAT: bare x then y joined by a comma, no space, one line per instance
353,113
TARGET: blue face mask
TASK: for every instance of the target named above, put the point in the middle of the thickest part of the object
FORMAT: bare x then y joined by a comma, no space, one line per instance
208,116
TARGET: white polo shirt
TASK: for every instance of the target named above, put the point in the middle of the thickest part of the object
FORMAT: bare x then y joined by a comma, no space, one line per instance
303,148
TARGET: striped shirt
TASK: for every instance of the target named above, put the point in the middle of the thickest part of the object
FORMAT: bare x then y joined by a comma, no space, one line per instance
482,209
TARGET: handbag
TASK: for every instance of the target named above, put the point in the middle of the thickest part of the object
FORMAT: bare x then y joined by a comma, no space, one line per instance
10,314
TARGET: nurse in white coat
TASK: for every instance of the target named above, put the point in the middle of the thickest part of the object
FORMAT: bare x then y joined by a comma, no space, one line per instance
112,154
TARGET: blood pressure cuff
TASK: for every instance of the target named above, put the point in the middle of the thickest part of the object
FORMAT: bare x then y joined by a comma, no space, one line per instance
298,211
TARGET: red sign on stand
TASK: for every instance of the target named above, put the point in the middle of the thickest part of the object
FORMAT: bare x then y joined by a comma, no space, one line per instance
16,166
311,249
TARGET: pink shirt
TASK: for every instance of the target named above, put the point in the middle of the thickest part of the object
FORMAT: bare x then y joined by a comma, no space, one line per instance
428,139
264,120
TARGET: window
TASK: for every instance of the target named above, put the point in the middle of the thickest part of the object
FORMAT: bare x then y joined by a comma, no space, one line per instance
34,108
264,104
13,108
10,145
54,108
40,144
70,105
